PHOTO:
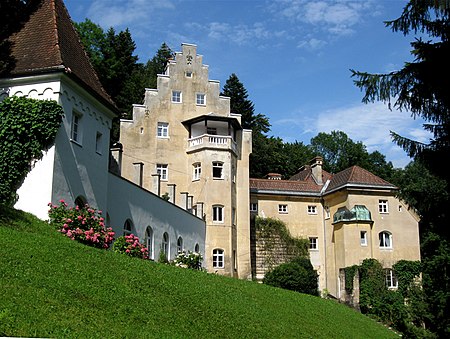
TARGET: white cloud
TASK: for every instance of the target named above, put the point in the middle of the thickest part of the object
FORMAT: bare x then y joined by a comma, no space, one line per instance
370,124
114,13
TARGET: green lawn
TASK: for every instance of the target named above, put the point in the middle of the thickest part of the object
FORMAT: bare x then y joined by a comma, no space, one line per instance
51,286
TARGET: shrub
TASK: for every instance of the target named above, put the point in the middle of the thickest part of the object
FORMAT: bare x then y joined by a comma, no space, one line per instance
297,275
130,245
85,225
190,259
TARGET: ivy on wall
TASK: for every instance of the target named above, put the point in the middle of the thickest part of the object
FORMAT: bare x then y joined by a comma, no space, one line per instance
276,241
28,128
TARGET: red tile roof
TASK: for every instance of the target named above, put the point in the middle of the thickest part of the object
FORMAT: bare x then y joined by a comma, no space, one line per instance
303,182
48,42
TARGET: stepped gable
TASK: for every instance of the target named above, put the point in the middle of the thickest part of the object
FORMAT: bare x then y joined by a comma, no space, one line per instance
357,176
48,43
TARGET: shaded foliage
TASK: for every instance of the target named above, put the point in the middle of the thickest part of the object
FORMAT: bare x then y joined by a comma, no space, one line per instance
28,128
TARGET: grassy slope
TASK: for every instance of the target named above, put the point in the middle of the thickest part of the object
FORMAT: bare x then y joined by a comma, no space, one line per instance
51,286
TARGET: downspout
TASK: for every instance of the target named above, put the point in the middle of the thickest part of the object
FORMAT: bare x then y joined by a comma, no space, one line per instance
324,234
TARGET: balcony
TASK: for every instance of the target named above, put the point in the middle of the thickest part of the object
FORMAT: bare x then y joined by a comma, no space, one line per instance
221,142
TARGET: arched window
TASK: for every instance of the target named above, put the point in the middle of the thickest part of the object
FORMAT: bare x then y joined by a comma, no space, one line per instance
80,202
196,248
149,242
128,227
218,258
165,248
180,245
385,239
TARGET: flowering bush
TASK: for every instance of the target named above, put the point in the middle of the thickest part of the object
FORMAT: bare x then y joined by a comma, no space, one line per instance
85,225
130,245
188,260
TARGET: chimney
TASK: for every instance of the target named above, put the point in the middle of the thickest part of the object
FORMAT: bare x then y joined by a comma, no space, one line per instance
156,184
274,176
316,169
172,190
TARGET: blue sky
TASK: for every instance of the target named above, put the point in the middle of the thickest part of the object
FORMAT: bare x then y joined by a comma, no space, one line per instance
293,57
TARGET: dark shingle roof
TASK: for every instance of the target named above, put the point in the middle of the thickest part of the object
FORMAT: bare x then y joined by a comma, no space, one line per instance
357,176
48,42
303,182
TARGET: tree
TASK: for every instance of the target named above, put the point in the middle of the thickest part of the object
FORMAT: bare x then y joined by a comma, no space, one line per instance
258,123
421,87
93,39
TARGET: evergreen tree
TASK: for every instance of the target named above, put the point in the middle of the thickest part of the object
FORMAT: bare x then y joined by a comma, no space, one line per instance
258,123
421,87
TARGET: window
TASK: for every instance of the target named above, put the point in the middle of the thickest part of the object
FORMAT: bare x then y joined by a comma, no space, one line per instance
233,216
312,209
385,239
383,206
80,202
149,241
162,170
197,248
127,227
313,243
363,238
282,208
200,99
180,245
391,279
218,258
218,213
217,170
75,132
165,245
197,171
253,207
176,96
98,143
188,74
211,130
163,130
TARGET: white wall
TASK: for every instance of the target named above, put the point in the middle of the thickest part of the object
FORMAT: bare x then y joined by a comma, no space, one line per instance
129,201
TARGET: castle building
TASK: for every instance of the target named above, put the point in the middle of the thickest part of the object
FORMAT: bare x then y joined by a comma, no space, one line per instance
50,64
185,144
347,217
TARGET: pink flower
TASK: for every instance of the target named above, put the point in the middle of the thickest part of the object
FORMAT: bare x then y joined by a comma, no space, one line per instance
127,251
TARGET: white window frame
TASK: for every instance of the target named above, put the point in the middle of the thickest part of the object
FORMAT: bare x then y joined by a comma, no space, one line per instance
363,238
383,206
179,245
283,209
75,128
312,209
200,99
218,258
149,242
163,171
391,279
253,207
98,143
177,97
162,131
128,227
165,245
385,240
197,171
218,214
313,243
217,166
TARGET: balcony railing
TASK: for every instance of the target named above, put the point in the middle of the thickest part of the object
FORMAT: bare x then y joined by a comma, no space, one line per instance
212,141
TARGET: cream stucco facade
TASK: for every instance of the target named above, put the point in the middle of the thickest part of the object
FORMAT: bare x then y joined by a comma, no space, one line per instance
184,143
